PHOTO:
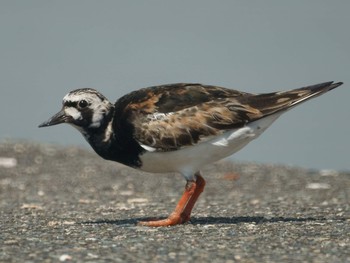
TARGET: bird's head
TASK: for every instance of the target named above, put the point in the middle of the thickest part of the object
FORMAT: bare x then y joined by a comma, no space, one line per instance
83,108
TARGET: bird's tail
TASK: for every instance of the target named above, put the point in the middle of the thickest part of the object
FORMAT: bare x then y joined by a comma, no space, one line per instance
270,103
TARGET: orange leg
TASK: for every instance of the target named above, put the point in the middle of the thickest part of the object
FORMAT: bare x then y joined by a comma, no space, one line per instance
183,209
200,184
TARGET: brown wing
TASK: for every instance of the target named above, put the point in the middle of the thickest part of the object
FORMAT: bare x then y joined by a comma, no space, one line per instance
165,118
172,116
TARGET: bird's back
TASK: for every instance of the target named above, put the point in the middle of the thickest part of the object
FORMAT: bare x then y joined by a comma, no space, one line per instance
166,118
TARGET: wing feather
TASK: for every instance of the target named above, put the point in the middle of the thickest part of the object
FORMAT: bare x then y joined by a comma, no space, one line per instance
166,118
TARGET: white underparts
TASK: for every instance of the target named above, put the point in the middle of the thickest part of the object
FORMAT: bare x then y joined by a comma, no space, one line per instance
188,160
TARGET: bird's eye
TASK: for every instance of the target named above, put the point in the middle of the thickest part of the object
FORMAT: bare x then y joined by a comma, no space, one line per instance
83,103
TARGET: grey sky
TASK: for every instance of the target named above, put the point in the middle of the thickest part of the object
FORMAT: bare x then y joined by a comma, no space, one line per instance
48,48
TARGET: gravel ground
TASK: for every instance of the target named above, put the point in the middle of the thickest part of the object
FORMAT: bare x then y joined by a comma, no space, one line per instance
66,204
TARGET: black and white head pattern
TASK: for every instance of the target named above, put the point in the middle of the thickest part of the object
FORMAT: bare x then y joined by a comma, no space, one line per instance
86,107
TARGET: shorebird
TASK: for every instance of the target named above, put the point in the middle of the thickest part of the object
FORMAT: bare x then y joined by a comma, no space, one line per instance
176,128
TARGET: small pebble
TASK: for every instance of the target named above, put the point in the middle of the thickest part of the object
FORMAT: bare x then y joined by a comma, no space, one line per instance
137,200
65,257
8,162
316,186
32,206
328,172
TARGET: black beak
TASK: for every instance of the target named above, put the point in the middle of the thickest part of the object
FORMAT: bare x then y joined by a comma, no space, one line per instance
58,118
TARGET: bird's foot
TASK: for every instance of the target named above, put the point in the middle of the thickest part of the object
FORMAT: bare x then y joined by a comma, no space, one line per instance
173,219
182,212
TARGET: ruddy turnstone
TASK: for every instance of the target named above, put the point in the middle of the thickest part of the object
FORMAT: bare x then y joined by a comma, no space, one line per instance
176,128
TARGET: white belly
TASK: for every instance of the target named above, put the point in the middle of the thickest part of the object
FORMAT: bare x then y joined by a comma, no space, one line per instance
191,159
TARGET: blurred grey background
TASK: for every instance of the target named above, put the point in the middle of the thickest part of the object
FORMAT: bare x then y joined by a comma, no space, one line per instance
48,48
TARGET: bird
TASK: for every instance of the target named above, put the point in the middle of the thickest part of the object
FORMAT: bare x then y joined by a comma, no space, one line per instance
176,128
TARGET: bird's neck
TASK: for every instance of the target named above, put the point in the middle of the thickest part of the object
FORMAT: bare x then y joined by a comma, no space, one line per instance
114,144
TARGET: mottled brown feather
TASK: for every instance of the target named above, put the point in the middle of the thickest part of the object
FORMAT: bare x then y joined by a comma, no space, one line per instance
173,116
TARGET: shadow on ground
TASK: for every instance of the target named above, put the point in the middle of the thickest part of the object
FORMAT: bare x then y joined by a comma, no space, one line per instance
222,220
